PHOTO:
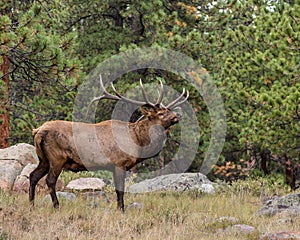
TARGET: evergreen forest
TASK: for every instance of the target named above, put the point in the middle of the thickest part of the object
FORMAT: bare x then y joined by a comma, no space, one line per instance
249,48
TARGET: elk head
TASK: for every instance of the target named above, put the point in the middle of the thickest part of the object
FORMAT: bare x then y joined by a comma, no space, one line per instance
160,115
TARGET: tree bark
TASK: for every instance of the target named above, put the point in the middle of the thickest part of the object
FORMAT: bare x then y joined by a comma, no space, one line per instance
290,176
265,162
4,104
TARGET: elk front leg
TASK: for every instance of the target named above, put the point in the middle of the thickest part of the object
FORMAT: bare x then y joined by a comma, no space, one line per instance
119,180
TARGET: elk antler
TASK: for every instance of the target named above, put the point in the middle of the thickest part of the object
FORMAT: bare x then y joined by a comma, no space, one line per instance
177,101
118,96
158,103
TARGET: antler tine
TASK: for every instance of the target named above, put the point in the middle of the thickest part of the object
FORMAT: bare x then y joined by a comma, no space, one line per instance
183,101
160,95
125,98
105,95
145,94
177,101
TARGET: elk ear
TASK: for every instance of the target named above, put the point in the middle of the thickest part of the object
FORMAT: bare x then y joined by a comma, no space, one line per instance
147,110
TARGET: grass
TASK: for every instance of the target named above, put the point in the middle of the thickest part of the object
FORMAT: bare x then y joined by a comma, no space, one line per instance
163,216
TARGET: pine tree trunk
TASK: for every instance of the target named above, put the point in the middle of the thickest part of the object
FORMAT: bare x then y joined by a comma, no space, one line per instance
4,104
290,176
265,162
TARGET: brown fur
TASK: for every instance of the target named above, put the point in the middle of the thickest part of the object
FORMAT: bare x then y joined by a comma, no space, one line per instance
56,148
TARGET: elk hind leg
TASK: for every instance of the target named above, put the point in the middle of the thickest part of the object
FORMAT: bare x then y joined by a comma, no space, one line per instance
35,176
51,183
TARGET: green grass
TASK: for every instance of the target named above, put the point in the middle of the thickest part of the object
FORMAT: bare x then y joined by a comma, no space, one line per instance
164,216
67,176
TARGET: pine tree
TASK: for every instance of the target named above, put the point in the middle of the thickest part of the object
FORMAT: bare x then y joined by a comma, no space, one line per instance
42,67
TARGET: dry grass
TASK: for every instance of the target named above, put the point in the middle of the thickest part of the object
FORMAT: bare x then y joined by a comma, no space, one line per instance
164,216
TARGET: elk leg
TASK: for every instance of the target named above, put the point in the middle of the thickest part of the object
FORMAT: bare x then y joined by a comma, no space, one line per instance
35,176
119,180
51,183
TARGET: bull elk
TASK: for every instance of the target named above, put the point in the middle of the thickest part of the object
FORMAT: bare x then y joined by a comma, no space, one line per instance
57,147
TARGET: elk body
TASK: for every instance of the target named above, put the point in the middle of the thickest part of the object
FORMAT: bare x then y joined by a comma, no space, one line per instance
102,145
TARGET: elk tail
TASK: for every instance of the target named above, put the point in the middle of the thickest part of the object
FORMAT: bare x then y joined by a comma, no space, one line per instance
35,131
39,137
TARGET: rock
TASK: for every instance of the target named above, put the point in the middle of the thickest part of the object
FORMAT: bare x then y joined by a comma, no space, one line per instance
135,205
62,196
23,153
82,184
207,188
16,163
281,236
9,170
227,219
12,160
175,182
243,228
285,205
238,230
233,227
21,183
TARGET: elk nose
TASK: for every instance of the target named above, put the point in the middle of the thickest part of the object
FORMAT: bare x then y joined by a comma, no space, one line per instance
178,115
178,111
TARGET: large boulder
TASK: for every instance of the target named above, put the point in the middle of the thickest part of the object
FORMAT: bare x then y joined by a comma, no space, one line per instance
12,161
289,204
23,153
175,182
9,170
86,184
16,163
